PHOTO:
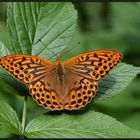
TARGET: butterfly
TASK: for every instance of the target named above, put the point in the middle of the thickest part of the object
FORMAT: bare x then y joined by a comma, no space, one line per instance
62,85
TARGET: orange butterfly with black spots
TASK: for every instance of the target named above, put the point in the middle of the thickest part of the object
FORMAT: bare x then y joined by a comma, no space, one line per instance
62,85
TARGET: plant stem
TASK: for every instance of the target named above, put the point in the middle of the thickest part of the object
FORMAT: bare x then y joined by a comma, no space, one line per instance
24,113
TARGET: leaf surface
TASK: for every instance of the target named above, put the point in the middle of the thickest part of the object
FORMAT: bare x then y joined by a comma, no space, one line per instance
79,125
117,80
52,23
8,119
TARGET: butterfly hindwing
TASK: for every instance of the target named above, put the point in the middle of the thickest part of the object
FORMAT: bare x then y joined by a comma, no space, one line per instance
82,93
47,97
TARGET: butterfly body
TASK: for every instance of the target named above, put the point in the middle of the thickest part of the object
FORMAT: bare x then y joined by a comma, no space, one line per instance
62,85
60,69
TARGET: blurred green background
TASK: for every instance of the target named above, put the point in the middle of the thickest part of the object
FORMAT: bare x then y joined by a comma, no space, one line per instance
111,25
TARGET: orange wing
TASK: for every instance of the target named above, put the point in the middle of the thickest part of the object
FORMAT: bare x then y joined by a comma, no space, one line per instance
36,73
26,68
83,73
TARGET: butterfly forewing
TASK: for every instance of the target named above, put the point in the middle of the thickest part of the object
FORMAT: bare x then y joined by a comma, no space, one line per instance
26,68
88,69
94,65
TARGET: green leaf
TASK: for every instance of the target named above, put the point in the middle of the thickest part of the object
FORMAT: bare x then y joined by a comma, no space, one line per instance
7,79
15,85
52,23
3,50
21,29
8,119
81,125
116,80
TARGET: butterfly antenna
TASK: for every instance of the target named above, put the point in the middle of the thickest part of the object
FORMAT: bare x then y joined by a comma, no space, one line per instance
69,49
55,54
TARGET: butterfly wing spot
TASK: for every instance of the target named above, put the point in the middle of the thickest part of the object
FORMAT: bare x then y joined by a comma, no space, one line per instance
34,88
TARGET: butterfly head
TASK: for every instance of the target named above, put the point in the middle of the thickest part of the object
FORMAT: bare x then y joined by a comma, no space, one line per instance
59,59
